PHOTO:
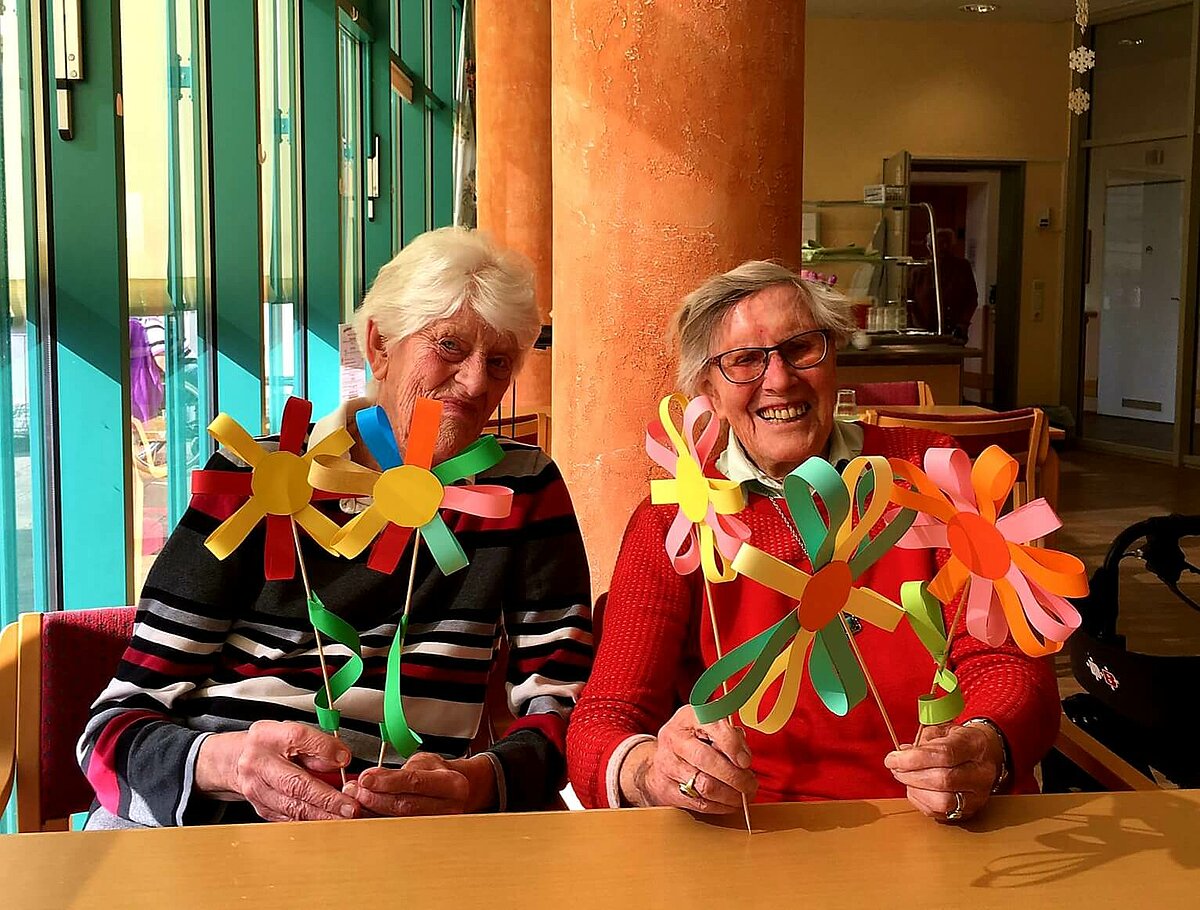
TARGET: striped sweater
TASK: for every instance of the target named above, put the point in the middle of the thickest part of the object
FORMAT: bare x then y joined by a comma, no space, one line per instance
215,648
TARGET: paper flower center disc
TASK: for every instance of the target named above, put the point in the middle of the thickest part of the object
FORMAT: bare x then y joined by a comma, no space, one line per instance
408,496
280,483
825,595
692,488
980,547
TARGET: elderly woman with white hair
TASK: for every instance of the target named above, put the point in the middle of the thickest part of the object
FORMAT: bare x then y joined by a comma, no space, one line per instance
210,716
760,342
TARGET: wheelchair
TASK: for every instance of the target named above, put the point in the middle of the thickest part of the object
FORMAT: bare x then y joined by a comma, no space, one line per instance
1144,707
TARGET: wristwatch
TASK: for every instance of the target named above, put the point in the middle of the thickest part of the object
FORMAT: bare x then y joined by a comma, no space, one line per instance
1006,763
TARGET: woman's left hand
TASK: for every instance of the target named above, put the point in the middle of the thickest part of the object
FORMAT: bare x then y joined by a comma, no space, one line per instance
950,760
427,784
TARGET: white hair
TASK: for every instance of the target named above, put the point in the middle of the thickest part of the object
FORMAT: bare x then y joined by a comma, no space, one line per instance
703,310
438,274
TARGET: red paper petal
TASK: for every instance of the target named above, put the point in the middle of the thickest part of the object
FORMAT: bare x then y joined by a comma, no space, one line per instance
294,426
279,554
220,483
389,546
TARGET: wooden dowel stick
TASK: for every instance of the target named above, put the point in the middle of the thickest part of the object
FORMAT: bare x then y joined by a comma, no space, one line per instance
412,577
712,615
862,664
316,632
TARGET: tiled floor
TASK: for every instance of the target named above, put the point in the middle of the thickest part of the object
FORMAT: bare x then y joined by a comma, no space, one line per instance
1100,495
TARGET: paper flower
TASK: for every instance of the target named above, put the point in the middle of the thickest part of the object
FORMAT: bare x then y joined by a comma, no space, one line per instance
703,528
408,495
1011,586
840,551
277,488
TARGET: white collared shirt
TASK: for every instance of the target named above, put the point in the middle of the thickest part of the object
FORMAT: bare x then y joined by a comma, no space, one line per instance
845,443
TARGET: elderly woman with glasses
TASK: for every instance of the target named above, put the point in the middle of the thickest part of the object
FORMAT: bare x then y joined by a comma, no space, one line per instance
760,342
210,716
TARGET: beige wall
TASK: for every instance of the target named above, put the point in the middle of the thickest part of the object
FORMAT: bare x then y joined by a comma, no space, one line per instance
994,91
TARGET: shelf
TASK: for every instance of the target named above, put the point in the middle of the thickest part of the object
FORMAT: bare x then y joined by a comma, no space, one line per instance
858,203
899,260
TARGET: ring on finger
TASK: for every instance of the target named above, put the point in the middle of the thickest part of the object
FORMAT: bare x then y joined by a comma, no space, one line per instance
688,787
956,813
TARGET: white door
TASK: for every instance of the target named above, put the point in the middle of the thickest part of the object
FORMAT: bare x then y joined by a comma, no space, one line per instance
1139,310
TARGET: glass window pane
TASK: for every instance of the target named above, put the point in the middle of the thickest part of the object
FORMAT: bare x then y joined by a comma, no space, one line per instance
278,109
1143,65
167,377
350,92
21,515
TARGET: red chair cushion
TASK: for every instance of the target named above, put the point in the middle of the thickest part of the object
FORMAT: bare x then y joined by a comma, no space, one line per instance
80,653
870,394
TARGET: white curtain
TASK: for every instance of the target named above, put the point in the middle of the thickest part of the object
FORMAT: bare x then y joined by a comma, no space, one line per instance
464,122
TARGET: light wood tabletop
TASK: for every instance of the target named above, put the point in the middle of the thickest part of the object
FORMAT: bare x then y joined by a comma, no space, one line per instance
1092,851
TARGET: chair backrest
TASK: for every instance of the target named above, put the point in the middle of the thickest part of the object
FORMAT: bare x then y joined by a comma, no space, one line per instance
65,660
909,392
1024,434
8,711
533,429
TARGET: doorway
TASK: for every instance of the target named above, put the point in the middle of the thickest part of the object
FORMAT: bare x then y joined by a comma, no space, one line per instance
978,208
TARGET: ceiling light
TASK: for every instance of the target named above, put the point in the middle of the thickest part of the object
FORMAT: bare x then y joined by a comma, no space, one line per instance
1131,42
980,8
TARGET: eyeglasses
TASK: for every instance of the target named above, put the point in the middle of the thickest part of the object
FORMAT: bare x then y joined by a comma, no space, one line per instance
800,352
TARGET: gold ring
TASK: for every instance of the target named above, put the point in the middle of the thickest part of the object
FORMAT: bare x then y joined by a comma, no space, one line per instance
957,812
688,787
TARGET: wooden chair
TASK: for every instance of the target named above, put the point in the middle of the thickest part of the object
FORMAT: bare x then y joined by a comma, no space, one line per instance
1098,761
149,465
63,661
1024,434
8,711
533,429
882,394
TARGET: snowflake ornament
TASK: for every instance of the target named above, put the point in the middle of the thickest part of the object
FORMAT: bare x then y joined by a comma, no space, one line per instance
1082,59
1079,101
1081,14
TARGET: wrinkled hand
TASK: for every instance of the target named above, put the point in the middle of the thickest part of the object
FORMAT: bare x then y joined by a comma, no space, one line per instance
427,784
270,766
716,754
951,759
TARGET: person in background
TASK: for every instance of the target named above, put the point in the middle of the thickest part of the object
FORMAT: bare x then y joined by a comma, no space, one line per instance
960,295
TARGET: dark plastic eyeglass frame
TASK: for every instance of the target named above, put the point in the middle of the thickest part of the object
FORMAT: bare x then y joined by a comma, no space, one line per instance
768,351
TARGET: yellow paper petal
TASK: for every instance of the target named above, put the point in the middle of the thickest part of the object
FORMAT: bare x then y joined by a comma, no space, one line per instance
767,570
874,608
663,492
320,527
229,433
852,532
340,475
791,663
233,530
726,496
356,534
339,442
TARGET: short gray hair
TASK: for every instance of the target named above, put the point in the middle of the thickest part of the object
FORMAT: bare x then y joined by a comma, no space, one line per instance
438,274
703,310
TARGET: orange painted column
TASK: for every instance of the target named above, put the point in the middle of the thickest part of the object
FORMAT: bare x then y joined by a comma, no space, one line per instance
513,168
678,128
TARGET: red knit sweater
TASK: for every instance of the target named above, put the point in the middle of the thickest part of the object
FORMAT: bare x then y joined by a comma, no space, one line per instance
656,640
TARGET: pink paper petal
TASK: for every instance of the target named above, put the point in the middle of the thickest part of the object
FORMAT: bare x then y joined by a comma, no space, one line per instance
1049,614
950,469
1031,521
681,545
925,537
985,618
481,500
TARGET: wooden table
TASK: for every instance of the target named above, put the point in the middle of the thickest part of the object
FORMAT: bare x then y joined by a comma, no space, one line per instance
1081,850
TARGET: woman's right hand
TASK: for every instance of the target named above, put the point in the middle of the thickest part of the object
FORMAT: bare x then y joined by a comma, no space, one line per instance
269,766
713,756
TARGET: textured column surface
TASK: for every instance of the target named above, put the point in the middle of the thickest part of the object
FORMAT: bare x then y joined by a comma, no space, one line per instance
513,167
677,138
